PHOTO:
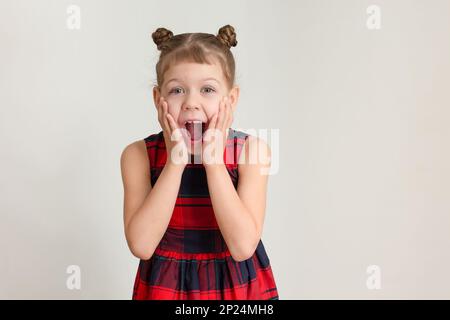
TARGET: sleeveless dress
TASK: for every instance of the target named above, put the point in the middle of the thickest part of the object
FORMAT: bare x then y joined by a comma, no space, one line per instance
192,261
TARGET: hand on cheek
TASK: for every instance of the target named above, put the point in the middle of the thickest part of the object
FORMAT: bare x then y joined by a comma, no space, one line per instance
214,141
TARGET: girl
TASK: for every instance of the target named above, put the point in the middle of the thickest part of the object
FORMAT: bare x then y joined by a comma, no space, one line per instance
196,225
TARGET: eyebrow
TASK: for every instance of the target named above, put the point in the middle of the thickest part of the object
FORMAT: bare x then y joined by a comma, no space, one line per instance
175,79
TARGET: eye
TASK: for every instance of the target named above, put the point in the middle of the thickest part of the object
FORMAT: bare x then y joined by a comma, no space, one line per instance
174,90
210,88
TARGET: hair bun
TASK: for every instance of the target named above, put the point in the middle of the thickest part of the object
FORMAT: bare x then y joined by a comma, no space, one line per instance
227,36
160,36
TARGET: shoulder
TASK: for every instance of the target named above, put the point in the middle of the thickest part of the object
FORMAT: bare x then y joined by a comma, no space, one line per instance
137,150
134,157
255,152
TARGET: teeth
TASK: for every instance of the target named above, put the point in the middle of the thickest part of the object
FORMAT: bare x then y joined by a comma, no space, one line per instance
193,121
196,128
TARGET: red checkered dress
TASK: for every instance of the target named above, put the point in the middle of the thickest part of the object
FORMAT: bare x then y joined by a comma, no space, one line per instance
192,261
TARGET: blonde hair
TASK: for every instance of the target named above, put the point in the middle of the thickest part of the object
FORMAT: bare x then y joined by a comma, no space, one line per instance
196,47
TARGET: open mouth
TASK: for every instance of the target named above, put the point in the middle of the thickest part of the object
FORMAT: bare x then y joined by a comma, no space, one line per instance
196,129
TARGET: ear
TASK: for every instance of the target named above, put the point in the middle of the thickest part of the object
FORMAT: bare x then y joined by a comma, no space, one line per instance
234,96
156,96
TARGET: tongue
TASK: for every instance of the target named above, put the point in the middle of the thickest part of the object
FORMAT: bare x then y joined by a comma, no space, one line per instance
196,129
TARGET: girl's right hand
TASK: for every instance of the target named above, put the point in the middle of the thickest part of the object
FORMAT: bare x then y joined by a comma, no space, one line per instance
171,130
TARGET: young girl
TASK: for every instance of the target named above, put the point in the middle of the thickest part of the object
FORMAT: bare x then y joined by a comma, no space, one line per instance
196,225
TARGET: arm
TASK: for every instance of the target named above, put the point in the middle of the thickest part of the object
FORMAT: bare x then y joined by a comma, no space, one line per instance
240,213
147,210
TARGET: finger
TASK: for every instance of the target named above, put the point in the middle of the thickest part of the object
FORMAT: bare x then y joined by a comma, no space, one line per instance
161,112
212,123
221,115
223,124
211,127
173,126
170,121
228,112
165,121
158,109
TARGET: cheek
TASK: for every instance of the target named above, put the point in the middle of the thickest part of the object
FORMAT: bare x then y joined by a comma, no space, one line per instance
174,111
213,109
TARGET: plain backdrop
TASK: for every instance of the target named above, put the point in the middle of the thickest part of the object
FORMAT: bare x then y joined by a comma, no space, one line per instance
362,114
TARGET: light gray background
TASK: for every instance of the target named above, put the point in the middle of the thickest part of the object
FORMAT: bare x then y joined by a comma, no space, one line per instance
364,140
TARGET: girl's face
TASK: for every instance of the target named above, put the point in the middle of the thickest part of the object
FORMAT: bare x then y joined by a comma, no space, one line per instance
193,91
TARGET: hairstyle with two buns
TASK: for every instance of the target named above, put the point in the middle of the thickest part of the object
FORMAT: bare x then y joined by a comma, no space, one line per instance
196,47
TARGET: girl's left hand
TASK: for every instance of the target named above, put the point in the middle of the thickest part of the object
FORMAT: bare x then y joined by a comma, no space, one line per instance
212,150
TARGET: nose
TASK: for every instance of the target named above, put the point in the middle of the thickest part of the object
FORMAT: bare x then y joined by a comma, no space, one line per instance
191,103
188,107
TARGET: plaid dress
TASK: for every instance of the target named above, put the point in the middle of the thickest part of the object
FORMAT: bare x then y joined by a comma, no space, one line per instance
192,261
